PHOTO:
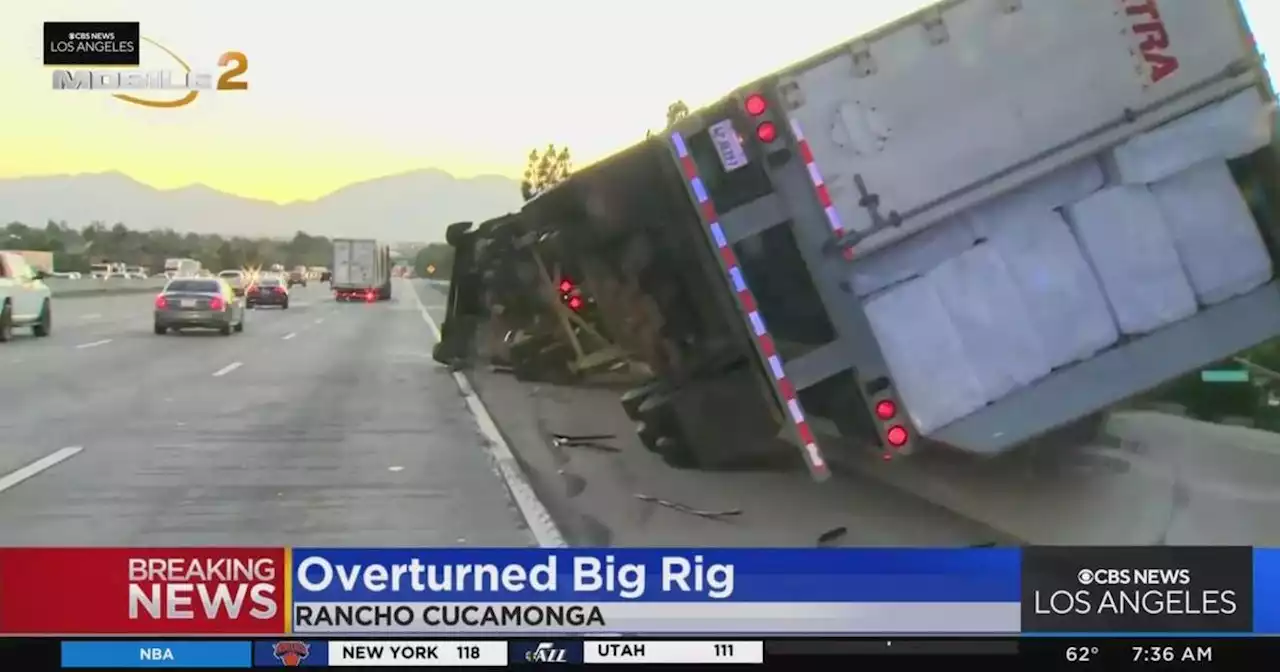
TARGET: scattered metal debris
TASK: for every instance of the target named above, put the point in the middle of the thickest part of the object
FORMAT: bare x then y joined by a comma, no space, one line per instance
575,438
830,537
592,441
684,508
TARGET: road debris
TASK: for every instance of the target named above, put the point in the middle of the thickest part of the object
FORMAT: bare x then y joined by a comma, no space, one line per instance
592,441
684,508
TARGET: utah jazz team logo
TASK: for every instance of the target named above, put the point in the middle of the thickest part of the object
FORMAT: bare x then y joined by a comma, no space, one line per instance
291,653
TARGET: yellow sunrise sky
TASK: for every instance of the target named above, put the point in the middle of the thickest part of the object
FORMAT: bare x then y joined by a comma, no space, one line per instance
347,91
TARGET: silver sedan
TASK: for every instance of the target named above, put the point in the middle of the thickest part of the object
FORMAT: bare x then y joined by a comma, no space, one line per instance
198,303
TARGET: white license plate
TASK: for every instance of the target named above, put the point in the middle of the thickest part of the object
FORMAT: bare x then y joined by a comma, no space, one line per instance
732,154
188,303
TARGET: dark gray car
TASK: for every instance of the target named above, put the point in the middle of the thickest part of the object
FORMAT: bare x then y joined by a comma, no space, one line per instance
198,303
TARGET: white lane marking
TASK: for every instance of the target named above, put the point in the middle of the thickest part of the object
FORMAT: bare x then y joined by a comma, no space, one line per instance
94,344
288,335
395,468
91,316
227,369
13,478
535,513
320,321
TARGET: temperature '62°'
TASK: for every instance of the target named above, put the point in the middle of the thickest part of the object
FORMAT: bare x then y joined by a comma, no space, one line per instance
1081,654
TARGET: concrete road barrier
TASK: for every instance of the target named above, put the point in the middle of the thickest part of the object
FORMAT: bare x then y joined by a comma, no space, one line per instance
92,287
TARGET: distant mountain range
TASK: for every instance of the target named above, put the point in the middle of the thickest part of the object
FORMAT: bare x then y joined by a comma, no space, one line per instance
409,207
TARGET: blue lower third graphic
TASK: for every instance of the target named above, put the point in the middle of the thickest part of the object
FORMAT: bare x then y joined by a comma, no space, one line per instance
162,654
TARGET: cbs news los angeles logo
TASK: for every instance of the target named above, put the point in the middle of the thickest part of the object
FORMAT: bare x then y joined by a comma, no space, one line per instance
110,56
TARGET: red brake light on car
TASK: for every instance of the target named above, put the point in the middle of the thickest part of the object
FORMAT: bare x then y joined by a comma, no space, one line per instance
896,436
566,286
215,303
575,303
161,302
886,409
755,105
279,289
766,131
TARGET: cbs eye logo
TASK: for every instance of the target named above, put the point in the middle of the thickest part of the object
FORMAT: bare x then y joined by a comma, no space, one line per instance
184,80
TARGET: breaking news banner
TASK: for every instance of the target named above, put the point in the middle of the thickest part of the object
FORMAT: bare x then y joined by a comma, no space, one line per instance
351,607
237,591
99,43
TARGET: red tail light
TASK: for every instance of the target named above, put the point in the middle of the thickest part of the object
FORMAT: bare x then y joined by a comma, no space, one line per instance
755,105
279,290
575,303
216,303
566,286
161,302
896,436
766,131
886,409
368,296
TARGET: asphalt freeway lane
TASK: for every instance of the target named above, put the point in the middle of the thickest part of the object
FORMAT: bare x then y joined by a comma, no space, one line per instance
326,424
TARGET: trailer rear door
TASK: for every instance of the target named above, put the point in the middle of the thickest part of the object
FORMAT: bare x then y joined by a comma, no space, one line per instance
967,99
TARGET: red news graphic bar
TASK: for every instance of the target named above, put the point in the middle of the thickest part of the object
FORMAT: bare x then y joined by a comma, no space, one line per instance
153,591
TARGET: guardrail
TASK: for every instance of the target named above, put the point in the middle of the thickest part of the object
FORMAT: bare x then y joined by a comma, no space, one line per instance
94,287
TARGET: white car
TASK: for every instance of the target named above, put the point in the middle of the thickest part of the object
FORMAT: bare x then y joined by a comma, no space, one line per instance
25,301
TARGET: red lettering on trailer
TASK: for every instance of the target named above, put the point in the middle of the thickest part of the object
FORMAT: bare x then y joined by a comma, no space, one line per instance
1154,38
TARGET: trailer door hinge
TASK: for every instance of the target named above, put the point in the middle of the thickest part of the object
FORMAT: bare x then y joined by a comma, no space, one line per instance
791,94
863,63
935,28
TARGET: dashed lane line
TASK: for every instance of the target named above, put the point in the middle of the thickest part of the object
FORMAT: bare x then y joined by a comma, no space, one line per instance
227,369
13,478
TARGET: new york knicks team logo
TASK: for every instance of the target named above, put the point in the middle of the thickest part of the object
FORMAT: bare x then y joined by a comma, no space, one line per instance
291,653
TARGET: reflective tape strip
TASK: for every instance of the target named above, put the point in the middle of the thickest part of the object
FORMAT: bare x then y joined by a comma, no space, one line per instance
751,313
819,185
